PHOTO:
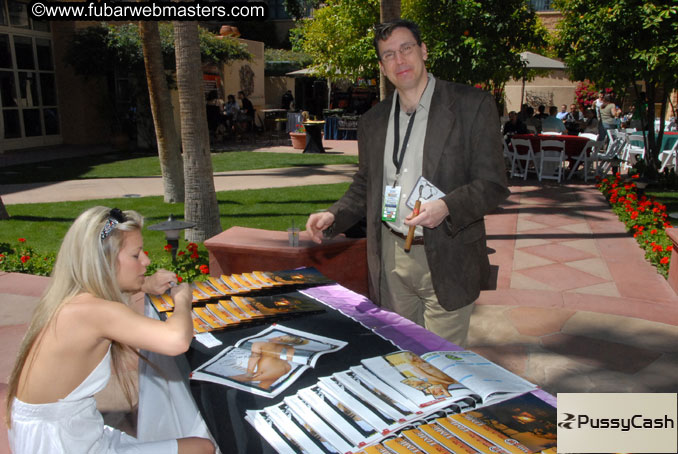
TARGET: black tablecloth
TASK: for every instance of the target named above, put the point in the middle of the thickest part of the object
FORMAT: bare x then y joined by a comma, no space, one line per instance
223,408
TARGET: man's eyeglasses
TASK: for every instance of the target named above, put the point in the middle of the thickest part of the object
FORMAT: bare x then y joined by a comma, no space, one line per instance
405,49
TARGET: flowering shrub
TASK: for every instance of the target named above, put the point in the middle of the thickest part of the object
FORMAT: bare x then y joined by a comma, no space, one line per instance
24,259
190,264
586,94
643,216
299,128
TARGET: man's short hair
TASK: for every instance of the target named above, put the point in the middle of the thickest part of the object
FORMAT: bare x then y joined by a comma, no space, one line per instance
553,110
383,31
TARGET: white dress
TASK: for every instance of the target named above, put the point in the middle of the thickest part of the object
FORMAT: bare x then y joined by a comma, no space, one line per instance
74,425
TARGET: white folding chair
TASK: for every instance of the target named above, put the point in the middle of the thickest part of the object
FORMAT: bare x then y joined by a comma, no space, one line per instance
589,135
632,152
511,161
669,157
587,157
553,154
552,133
522,152
604,160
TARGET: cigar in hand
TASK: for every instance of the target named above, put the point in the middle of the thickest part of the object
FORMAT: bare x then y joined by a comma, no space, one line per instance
410,233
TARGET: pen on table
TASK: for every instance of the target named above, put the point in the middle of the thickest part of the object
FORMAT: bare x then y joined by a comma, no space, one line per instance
410,232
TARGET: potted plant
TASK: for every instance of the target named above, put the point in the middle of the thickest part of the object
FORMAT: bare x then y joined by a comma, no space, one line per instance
298,137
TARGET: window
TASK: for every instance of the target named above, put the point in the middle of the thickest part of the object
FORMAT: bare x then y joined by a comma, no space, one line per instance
28,97
541,5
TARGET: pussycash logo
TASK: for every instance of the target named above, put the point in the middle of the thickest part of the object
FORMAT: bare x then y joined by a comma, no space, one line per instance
571,421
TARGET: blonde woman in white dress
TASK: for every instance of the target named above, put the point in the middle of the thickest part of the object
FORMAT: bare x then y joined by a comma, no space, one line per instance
81,327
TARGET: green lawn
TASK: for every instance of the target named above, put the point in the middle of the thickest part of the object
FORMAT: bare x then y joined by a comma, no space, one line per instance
118,165
670,199
44,224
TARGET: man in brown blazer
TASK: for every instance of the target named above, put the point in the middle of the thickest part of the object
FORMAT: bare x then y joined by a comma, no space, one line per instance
449,134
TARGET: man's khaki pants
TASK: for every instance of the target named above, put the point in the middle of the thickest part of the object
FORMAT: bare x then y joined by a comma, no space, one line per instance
406,289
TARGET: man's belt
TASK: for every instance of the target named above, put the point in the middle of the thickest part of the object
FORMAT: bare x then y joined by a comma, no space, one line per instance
417,239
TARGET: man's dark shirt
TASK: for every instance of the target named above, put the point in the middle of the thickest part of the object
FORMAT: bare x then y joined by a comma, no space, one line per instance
247,107
515,128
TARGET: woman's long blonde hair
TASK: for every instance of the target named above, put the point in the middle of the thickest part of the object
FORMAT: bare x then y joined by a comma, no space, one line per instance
86,263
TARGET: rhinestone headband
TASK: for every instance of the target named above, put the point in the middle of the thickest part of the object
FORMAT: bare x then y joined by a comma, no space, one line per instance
115,217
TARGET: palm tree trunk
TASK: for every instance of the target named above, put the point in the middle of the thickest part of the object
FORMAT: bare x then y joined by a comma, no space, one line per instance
3,211
389,10
169,147
201,201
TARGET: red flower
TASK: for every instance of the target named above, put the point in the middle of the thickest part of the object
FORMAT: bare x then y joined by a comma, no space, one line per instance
168,247
635,175
669,248
204,269
146,252
181,253
664,260
22,240
179,279
25,258
192,247
195,256
653,231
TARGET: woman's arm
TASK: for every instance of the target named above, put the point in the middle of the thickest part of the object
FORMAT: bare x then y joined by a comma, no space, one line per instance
116,321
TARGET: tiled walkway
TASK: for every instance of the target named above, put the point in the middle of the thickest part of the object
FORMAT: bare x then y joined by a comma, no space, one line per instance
575,306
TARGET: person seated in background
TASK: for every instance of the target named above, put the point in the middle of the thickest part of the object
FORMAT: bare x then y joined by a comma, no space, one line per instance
590,125
514,125
562,113
246,115
231,110
80,331
541,112
532,120
287,100
552,123
574,120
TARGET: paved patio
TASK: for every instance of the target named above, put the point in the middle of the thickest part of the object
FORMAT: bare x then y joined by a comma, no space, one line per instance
575,306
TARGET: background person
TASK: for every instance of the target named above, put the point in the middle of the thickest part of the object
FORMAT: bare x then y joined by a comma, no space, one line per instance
552,123
608,115
435,283
514,125
80,326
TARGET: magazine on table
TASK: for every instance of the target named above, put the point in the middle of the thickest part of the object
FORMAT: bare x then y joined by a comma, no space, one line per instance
244,284
446,376
523,424
267,363
488,380
355,409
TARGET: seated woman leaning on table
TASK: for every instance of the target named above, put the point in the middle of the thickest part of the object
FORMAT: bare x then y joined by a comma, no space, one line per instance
80,327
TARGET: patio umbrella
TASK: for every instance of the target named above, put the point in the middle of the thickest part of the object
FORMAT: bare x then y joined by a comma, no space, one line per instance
536,61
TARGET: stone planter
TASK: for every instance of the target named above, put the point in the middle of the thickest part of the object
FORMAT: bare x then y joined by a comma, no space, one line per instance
298,140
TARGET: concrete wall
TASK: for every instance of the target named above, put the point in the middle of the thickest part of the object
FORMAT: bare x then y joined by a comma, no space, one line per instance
553,89
84,120
275,86
247,76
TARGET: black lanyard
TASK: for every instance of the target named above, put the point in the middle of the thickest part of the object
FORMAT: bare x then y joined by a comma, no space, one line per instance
398,160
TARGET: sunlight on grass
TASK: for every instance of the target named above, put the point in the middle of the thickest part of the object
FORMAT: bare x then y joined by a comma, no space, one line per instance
137,165
44,224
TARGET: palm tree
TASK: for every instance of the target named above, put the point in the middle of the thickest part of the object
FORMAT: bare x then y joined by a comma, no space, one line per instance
388,10
169,147
201,200
3,211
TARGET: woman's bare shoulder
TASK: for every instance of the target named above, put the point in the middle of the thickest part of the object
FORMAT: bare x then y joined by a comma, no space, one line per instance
88,305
